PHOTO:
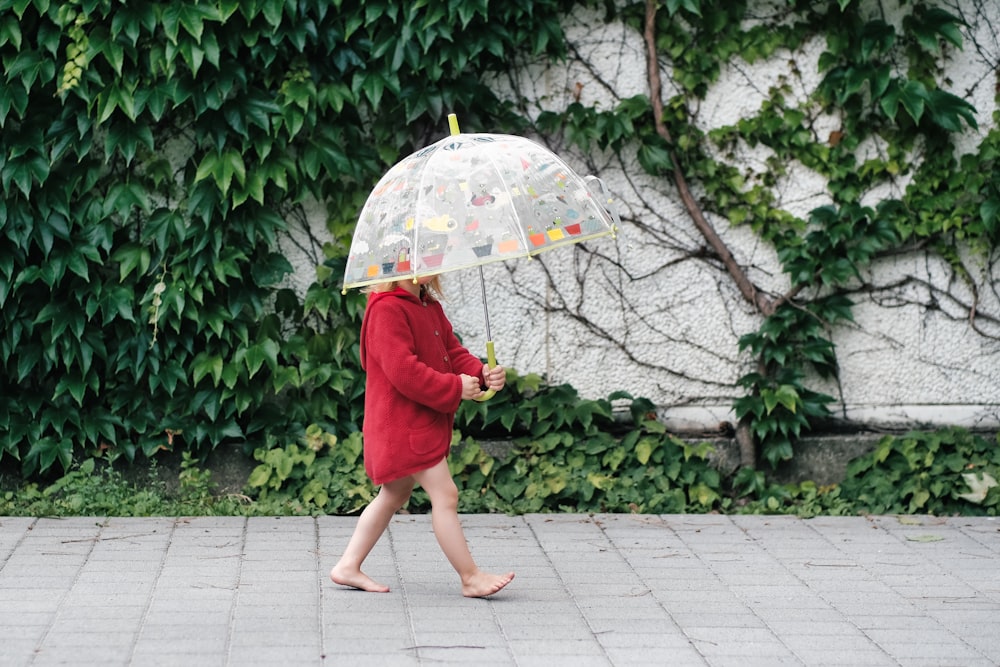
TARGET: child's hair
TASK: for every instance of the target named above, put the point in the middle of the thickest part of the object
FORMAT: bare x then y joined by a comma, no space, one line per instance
432,288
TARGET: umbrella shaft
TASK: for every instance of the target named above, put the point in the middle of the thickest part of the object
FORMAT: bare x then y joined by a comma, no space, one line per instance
486,311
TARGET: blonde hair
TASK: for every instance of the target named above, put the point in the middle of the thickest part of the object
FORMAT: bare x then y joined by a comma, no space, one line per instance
432,287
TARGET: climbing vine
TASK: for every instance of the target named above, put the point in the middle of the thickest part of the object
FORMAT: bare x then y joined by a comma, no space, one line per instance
155,161
891,181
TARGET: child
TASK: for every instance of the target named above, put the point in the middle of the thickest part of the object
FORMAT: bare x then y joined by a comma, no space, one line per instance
417,373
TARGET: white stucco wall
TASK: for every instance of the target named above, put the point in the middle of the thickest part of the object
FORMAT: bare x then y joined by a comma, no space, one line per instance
900,364
645,317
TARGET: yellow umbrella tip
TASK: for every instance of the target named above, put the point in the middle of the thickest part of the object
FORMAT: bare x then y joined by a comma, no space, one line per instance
453,124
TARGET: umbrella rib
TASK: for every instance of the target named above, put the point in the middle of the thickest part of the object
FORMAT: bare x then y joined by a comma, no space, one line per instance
518,227
414,254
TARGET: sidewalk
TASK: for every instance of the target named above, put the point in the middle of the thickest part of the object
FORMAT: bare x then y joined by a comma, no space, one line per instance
590,590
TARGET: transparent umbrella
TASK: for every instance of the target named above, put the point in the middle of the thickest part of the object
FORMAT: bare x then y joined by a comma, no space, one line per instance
468,200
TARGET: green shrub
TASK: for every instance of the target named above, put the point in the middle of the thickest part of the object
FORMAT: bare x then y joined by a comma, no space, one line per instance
646,471
754,494
321,475
562,453
951,471
639,468
97,488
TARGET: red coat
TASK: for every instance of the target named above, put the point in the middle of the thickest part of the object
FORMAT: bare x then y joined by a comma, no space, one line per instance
412,360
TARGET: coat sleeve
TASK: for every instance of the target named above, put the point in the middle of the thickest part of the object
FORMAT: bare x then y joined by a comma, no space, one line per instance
392,346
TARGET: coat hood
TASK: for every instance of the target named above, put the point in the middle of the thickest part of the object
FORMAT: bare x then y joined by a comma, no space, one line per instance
373,298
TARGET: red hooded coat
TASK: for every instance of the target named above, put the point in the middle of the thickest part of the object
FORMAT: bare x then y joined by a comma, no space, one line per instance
412,359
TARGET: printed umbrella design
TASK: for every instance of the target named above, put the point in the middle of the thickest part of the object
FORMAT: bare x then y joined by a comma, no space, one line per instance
471,199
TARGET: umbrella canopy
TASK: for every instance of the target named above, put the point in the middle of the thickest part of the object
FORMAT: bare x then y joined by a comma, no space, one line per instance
467,200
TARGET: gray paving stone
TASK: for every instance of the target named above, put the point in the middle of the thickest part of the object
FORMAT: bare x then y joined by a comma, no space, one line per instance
619,590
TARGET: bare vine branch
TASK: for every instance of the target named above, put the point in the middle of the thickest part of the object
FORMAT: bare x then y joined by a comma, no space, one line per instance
749,291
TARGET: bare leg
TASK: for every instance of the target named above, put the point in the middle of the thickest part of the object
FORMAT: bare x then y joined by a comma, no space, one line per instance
371,524
441,488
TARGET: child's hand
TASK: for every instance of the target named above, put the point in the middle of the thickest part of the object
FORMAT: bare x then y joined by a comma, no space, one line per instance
470,386
495,377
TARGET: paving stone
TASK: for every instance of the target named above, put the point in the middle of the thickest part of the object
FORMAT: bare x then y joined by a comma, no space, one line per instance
618,590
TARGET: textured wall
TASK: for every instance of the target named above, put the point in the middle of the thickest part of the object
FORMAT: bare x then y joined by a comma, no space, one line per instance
649,314
665,325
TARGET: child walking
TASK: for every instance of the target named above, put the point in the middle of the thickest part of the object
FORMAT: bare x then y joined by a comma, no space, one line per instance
417,374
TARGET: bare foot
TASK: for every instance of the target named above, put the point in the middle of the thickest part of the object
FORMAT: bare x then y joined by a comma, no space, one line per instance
483,584
357,579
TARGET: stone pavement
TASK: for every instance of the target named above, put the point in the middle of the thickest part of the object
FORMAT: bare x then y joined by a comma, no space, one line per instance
590,590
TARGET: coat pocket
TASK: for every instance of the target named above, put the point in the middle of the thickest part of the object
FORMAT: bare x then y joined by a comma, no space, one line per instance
430,439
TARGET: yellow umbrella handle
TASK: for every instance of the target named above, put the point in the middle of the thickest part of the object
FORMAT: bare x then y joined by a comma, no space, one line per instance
491,361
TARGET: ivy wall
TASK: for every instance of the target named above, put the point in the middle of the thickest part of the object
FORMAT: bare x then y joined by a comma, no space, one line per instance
845,155
152,156
808,194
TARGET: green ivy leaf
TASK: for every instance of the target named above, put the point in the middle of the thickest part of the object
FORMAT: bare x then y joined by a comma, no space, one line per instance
10,32
643,450
889,102
914,97
207,364
264,351
30,67
948,111
654,159
259,476
989,211
785,395
44,452
131,257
